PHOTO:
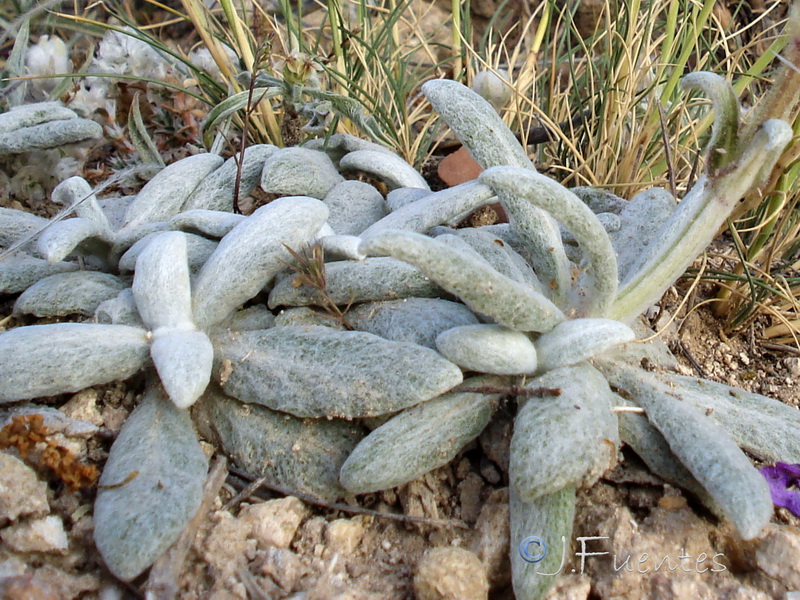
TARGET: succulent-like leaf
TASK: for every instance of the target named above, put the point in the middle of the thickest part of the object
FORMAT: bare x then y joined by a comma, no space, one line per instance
500,255
120,310
492,144
318,372
488,349
641,219
352,282
354,206
252,254
151,486
399,197
764,427
52,134
545,520
29,115
577,340
76,192
341,247
213,223
198,250
183,359
215,192
165,193
477,284
390,168
161,285
415,320
476,123
547,430
703,447
723,145
567,208
79,292
19,271
67,357
18,224
419,439
648,443
61,238
696,220
299,172
303,455
433,209
249,319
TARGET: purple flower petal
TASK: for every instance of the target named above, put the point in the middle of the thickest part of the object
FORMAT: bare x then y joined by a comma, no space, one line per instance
780,478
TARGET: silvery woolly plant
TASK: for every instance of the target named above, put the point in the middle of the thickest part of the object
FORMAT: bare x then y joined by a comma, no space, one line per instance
442,325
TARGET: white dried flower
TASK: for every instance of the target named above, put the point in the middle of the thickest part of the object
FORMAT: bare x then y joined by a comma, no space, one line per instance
49,56
490,85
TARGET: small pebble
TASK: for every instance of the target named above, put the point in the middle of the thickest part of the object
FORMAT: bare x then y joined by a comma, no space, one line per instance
451,574
21,492
25,587
37,535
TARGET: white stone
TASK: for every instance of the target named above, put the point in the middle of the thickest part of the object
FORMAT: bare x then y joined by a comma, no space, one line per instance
21,492
37,535
275,522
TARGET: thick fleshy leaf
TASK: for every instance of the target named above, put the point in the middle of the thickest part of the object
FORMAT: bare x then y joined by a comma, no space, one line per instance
299,172
120,310
541,532
600,280
488,349
492,144
34,114
766,428
53,134
303,455
161,285
696,220
60,239
577,340
151,486
477,284
547,430
78,292
352,282
77,192
319,372
722,146
703,447
500,255
398,198
637,432
19,271
415,320
354,206
215,192
198,250
165,193
42,360
389,167
18,224
433,209
183,360
213,223
252,254
641,218
419,439
341,144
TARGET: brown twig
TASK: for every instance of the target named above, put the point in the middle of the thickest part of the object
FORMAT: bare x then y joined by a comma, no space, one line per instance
358,510
162,584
